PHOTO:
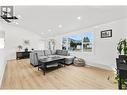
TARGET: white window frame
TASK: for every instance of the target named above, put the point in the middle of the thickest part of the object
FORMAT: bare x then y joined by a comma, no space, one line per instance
2,39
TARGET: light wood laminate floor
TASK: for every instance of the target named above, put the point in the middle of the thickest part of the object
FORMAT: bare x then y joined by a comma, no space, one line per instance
19,74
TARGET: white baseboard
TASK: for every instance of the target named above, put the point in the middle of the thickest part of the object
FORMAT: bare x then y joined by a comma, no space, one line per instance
2,73
99,66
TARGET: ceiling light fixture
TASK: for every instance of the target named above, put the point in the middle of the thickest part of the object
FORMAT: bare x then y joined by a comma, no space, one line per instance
49,30
42,33
60,26
79,17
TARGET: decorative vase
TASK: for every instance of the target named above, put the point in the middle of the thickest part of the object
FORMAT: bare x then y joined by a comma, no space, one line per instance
26,49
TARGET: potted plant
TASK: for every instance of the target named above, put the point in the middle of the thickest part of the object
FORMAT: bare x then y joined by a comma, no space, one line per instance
26,49
119,47
122,64
125,47
123,81
32,49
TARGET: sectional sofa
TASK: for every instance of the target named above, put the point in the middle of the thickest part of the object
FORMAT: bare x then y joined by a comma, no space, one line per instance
40,54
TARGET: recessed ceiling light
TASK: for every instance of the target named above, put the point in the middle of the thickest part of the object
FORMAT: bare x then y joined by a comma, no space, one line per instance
42,33
49,30
60,26
79,17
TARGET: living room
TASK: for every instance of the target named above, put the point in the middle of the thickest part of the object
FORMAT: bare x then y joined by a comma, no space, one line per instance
89,33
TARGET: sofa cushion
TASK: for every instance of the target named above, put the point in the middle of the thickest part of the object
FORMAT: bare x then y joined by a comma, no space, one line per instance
64,52
39,52
59,52
47,52
67,57
53,52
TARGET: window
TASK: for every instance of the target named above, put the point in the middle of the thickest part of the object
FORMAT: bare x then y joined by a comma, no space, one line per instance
64,43
87,42
75,43
78,42
51,44
2,42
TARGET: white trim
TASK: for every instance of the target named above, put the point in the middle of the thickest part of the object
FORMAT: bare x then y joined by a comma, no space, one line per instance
100,66
2,73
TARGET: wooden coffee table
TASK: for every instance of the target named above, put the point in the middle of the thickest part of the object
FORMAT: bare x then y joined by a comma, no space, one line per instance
43,63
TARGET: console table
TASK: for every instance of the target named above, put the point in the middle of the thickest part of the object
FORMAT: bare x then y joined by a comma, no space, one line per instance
22,55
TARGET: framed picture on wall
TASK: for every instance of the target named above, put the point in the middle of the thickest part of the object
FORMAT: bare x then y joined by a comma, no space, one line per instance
106,33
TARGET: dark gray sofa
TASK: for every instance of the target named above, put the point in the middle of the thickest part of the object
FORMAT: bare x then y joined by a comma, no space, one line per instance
40,54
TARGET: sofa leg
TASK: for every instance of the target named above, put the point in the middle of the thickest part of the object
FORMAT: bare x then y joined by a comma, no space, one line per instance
44,72
64,65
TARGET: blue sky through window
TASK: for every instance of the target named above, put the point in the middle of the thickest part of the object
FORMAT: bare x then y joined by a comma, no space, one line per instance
89,35
76,37
79,37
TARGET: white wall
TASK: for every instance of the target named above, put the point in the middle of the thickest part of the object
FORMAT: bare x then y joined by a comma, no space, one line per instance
2,64
125,34
105,50
15,36
2,61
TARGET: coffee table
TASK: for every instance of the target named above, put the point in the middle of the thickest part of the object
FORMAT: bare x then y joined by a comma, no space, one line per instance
43,63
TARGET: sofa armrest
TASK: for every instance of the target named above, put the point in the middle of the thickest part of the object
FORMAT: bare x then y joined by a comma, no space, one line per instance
34,59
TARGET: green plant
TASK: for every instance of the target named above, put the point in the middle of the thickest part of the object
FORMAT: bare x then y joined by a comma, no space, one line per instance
86,39
73,44
119,47
125,50
26,49
122,46
123,81
125,46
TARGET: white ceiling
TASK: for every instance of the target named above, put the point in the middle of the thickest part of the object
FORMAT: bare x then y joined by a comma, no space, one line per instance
41,18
